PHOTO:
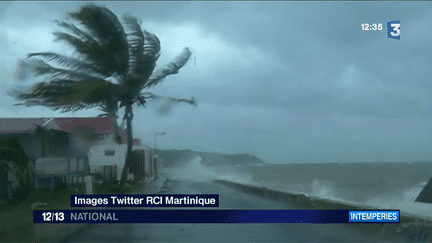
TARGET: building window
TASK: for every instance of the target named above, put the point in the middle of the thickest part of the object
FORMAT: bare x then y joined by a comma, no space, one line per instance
109,152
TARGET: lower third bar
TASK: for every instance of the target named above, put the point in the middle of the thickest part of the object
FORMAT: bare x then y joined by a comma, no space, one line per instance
214,216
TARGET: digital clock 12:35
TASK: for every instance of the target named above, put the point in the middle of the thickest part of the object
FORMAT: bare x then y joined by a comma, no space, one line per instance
366,26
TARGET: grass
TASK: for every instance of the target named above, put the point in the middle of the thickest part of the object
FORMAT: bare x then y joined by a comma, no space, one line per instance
18,218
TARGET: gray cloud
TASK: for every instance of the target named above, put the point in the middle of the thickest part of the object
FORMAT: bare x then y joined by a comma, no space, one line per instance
286,81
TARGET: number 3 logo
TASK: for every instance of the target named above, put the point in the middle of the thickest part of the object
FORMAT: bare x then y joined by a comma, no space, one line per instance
393,30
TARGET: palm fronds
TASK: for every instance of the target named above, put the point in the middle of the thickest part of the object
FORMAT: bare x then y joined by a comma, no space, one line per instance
68,95
86,37
142,53
144,48
75,64
39,67
151,45
171,68
135,41
114,63
148,95
106,44
109,107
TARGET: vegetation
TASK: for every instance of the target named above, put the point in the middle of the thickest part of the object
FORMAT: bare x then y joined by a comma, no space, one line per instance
113,67
20,217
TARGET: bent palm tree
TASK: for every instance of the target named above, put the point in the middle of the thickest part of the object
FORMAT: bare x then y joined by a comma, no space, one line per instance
113,68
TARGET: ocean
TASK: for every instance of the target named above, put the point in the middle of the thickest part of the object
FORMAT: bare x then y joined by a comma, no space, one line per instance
383,185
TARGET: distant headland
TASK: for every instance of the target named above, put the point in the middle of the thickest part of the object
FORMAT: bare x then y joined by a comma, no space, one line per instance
173,158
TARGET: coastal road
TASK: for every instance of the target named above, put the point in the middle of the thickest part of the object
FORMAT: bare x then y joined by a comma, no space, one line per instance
233,199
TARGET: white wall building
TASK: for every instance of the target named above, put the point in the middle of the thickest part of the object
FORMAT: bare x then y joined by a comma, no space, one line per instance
107,155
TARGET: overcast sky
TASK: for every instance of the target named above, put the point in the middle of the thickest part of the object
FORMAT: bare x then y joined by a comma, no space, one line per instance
285,81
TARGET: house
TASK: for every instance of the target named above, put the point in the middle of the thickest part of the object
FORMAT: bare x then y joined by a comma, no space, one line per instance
107,160
59,151
46,152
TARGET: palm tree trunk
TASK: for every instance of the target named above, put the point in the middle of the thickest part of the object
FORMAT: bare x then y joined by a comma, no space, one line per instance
128,117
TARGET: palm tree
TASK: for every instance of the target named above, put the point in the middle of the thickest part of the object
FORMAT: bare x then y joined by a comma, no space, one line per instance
114,67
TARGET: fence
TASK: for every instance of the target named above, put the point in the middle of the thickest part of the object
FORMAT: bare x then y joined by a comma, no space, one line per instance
51,173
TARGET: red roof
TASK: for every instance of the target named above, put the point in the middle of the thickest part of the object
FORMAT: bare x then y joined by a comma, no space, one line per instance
19,125
95,125
98,125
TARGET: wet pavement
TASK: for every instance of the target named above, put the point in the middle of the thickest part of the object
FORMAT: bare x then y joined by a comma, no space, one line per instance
234,199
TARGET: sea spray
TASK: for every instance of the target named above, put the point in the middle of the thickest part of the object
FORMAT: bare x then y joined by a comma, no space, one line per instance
239,178
322,189
192,170
347,185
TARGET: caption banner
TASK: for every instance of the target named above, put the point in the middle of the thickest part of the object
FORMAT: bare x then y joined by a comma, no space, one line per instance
145,200
214,216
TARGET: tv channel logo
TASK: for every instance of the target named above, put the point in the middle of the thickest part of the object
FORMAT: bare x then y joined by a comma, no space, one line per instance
393,30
